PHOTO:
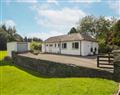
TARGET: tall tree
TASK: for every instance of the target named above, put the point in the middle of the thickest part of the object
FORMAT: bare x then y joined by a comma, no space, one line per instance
72,30
104,30
25,39
116,29
87,25
7,35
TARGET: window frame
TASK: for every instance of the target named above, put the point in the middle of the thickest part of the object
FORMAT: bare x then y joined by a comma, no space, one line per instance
64,45
50,45
55,45
74,45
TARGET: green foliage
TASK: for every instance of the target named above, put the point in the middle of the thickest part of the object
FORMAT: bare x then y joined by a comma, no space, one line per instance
106,31
87,25
116,29
8,35
104,48
73,30
8,59
35,47
35,39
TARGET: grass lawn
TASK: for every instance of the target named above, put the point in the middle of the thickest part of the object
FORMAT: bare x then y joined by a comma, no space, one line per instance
3,54
15,81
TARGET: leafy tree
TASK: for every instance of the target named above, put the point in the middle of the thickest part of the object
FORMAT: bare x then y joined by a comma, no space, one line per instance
106,31
87,25
7,35
73,30
37,39
116,29
25,39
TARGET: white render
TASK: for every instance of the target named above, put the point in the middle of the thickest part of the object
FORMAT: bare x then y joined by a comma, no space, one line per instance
86,47
83,50
18,47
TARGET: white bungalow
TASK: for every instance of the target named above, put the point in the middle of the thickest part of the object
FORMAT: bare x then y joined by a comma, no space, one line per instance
72,44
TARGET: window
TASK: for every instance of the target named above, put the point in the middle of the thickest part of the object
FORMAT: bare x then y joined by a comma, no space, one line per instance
95,49
64,45
91,49
58,45
55,45
50,45
75,45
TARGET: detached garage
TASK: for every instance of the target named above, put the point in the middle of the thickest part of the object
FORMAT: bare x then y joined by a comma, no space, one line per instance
18,47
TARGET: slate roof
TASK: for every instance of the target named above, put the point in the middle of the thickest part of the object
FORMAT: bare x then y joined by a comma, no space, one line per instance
70,37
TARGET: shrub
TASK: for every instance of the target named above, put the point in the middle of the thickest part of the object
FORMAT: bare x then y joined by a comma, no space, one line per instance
35,46
105,48
8,59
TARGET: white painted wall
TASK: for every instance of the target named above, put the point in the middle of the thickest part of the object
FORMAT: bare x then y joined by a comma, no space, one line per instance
43,48
52,49
18,47
22,47
86,47
70,50
11,46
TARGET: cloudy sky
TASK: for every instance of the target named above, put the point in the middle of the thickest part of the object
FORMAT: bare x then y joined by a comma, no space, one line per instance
45,18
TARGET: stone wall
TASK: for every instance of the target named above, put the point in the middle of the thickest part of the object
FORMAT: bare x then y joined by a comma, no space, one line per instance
53,69
117,65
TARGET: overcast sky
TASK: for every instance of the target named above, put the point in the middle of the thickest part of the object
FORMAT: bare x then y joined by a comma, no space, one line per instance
45,18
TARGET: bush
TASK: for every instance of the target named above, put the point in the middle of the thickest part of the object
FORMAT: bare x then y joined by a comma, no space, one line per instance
8,59
35,46
116,47
105,48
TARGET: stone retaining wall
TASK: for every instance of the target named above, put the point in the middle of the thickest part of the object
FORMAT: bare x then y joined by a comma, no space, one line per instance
117,65
53,69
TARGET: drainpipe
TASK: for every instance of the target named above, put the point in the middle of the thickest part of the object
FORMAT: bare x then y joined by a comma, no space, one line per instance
60,46
45,47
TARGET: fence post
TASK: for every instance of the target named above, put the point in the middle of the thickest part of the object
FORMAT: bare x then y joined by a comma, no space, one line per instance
108,58
98,61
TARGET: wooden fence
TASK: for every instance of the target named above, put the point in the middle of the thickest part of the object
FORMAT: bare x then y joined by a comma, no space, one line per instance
105,59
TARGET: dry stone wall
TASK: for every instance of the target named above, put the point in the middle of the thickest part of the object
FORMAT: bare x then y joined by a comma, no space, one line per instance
117,65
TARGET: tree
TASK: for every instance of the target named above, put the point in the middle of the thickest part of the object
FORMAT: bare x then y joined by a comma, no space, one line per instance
116,29
7,35
73,30
25,39
104,30
87,25
3,39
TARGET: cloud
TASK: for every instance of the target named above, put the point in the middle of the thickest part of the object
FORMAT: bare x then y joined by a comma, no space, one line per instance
52,1
27,1
59,20
115,5
84,1
20,1
9,23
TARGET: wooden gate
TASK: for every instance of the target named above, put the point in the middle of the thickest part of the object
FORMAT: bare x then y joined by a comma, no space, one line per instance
105,59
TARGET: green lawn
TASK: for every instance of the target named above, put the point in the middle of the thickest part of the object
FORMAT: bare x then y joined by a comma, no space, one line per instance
15,81
3,54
